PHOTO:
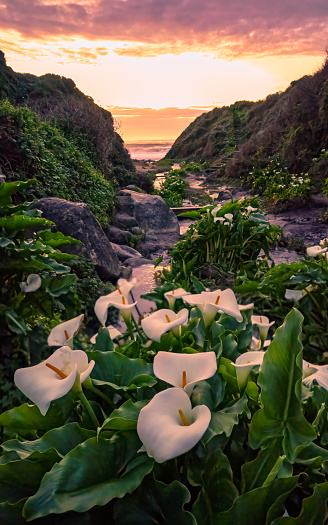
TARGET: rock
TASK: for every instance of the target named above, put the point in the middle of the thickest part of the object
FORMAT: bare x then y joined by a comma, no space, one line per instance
154,216
137,231
124,221
135,262
118,236
75,219
125,252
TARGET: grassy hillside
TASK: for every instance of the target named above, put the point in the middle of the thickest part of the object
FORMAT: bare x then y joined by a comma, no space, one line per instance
51,131
291,127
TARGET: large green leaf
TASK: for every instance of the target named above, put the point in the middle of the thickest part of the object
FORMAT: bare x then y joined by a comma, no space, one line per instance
314,509
120,372
61,439
26,417
92,474
125,417
253,507
17,223
280,380
61,284
254,473
218,492
154,503
222,422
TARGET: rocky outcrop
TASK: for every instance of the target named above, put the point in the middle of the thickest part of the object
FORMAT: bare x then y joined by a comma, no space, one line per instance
154,218
76,220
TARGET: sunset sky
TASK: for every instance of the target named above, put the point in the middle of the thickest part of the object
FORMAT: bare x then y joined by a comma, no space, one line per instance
158,64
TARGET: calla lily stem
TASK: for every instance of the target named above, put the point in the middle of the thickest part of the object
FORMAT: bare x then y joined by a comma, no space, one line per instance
88,408
96,390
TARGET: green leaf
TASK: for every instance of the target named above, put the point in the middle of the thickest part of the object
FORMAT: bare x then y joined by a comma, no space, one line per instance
104,342
120,372
280,380
61,439
55,239
254,473
11,513
222,422
314,509
59,285
252,507
92,474
26,417
158,261
154,503
125,417
8,188
218,492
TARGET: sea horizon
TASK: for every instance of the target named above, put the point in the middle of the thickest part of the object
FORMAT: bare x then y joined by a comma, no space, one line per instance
148,149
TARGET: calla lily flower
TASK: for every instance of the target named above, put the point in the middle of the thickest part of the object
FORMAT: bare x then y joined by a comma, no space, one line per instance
318,373
229,216
118,299
172,295
263,324
220,219
113,333
210,303
125,285
54,377
250,209
161,321
245,306
313,251
294,295
63,333
33,283
216,209
244,364
256,343
168,426
184,370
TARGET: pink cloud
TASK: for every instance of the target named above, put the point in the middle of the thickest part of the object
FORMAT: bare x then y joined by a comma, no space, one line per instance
152,27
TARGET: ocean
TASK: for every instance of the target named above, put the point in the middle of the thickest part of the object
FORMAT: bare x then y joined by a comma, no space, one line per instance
148,149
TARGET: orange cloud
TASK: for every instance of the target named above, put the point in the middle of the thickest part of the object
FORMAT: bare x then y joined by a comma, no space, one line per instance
152,27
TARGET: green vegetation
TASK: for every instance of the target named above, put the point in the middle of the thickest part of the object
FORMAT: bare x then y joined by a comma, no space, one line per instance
173,188
281,190
223,242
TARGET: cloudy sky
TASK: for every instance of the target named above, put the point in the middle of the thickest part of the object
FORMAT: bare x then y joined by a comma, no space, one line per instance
157,64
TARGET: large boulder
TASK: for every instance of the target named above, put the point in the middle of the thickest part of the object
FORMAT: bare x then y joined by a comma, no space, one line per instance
153,216
75,219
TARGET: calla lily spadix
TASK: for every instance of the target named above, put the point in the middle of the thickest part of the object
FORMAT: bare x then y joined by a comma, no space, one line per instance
63,333
113,333
118,299
54,377
172,295
210,303
263,324
244,364
184,370
161,321
256,343
168,426
33,283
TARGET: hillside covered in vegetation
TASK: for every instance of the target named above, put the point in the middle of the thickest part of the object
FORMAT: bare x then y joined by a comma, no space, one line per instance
51,131
290,127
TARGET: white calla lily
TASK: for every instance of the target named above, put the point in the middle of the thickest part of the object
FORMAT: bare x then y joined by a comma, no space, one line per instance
172,295
263,324
125,285
256,343
318,373
294,295
229,216
161,321
313,251
216,209
54,377
184,370
210,303
250,209
248,306
168,426
244,364
33,283
63,333
219,219
113,333
118,299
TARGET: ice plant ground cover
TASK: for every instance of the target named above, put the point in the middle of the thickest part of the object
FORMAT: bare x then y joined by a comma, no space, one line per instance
193,428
